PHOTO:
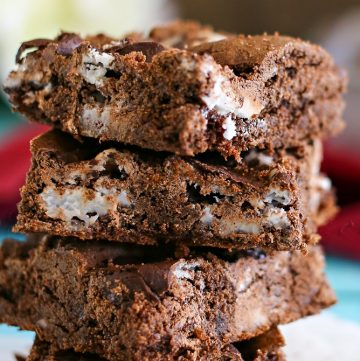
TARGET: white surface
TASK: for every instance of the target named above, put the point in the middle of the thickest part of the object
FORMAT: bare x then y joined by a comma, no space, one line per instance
322,338
9,345
318,338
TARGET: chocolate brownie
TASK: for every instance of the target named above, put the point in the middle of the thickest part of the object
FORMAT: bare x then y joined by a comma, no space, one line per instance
180,91
96,191
266,347
111,299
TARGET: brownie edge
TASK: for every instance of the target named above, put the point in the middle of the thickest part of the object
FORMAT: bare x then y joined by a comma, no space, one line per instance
99,298
265,347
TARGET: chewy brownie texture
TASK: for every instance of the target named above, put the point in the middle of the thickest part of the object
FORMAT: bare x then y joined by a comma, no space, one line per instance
122,302
96,191
181,89
266,347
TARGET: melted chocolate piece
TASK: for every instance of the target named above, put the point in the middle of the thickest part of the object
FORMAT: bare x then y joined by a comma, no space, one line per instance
135,283
148,48
227,172
156,276
68,42
36,43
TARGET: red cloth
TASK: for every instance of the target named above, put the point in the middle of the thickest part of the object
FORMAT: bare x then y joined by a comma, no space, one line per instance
14,163
341,236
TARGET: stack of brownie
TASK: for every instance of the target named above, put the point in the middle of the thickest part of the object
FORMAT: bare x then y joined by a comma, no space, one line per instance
172,212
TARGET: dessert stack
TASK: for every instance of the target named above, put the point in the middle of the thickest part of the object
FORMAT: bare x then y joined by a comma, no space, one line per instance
172,211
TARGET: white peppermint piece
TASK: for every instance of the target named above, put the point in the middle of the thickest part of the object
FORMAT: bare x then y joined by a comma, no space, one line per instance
207,216
229,127
95,65
276,218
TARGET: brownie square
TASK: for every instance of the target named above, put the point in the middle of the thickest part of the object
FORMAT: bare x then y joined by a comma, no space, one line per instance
273,200
111,299
182,88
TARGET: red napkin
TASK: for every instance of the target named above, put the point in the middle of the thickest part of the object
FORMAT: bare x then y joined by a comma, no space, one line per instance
341,236
14,163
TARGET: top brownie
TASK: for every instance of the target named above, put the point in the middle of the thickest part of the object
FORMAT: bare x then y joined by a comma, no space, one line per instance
183,89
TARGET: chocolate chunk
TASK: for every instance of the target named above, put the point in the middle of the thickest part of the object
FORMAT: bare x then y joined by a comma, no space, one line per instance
156,276
135,283
227,172
68,42
36,43
148,48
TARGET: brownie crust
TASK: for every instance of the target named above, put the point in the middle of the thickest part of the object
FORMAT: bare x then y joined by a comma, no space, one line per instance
110,299
96,191
266,347
186,96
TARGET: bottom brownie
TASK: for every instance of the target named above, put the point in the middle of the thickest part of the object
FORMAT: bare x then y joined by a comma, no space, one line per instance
266,347
122,302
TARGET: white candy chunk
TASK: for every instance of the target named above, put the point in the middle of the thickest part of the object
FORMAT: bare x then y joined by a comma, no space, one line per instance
245,280
74,203
188,64
319,184
230,128
182,270
260,157
94,66
123,199
317,155
273,72
204,36
249,108
221,99
277,218
207,36
257,203
324,183
247,227
172,41
239,226
12,81
15,78
260,123
212,37
207,216
21,74
265,159
259,317
280,196
94,122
